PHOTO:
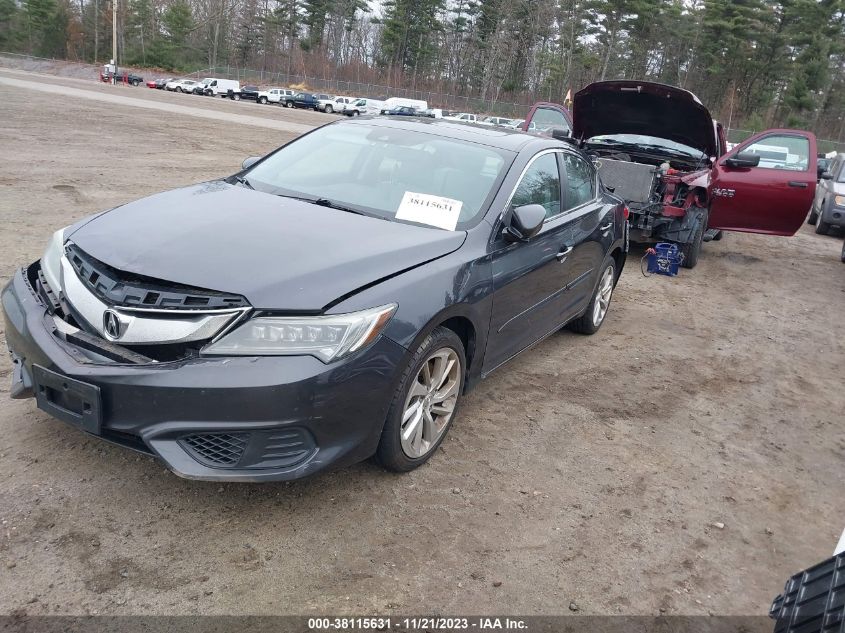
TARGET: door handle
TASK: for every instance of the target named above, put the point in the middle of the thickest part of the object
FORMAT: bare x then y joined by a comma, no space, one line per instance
798,183
606,227
561,256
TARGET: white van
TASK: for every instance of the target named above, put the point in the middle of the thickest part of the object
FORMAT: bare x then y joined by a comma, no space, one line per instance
215,86
364,106
399,102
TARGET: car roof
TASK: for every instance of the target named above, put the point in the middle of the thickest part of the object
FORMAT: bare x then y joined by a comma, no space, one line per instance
502,138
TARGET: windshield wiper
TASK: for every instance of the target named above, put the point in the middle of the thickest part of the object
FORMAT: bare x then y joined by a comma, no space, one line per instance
241,180
323,202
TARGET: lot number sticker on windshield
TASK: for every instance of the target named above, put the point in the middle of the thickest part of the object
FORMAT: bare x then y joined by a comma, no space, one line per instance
428,209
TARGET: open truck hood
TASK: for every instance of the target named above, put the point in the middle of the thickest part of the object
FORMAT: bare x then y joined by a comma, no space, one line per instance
279,253
642,107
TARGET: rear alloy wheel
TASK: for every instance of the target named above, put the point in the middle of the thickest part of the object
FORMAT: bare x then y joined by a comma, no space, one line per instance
425,402
596,312
329,109
262,100
288,104
236,97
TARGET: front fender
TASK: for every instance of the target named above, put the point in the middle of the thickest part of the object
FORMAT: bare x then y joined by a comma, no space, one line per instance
429,295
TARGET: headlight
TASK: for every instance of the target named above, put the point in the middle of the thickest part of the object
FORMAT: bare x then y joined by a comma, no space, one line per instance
51,260
326,337
839,201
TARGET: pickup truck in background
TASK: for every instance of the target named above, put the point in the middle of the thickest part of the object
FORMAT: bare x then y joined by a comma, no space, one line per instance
121,77
466,117
334,104
248,92
274,95
364,106
304,100
659,149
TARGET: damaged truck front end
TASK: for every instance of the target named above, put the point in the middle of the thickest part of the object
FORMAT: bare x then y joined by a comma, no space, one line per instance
654,146
665,203
658,148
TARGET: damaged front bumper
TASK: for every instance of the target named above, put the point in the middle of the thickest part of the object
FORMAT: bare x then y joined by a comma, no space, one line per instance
216,418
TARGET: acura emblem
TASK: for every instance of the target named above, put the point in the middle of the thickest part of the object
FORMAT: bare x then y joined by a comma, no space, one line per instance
111,325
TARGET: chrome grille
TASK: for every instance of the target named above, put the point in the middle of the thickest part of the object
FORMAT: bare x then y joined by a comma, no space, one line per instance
117,288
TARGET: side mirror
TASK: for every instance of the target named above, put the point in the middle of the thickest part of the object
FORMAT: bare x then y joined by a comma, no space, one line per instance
743,159
526,221
249,162
825,175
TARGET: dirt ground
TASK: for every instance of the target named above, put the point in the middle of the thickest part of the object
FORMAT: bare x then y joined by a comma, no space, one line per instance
589,469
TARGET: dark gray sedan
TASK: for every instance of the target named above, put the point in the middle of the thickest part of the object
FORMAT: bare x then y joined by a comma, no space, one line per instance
332,301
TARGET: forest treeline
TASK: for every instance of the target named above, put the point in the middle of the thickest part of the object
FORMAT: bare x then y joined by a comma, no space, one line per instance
759,63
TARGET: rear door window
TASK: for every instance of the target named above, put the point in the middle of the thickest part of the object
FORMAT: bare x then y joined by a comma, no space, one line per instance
580,181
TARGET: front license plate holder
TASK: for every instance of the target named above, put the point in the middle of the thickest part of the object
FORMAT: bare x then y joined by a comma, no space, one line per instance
68,399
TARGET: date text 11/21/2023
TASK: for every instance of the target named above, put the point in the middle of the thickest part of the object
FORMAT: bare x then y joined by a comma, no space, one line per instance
420,623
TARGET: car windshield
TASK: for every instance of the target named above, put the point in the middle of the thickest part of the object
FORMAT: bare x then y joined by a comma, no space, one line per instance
371,168
648,141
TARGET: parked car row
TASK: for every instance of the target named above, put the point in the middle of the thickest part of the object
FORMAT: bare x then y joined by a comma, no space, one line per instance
322,102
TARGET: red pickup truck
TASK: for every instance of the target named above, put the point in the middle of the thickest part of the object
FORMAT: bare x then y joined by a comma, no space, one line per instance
658,148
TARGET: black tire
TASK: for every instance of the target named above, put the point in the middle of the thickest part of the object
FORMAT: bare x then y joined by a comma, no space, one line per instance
692,249
328,109
585,324
389,452
262,100
813,217
842,257
288,104
135,82
354,113
822,227
719,235
179,89
236,97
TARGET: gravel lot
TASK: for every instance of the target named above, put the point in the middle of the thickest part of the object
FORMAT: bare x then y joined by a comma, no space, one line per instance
590,469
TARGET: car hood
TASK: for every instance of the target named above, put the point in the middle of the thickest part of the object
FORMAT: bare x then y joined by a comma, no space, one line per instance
642,107
279,253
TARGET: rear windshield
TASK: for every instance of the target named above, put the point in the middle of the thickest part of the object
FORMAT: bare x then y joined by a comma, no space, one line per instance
374,169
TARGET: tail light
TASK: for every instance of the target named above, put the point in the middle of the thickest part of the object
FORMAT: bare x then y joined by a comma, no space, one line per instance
626,211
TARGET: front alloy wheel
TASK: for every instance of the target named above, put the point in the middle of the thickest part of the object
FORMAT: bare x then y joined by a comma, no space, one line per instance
328,109
431,402
424,404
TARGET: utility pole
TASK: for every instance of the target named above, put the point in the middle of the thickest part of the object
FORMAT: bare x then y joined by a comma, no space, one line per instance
731,113
114,40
